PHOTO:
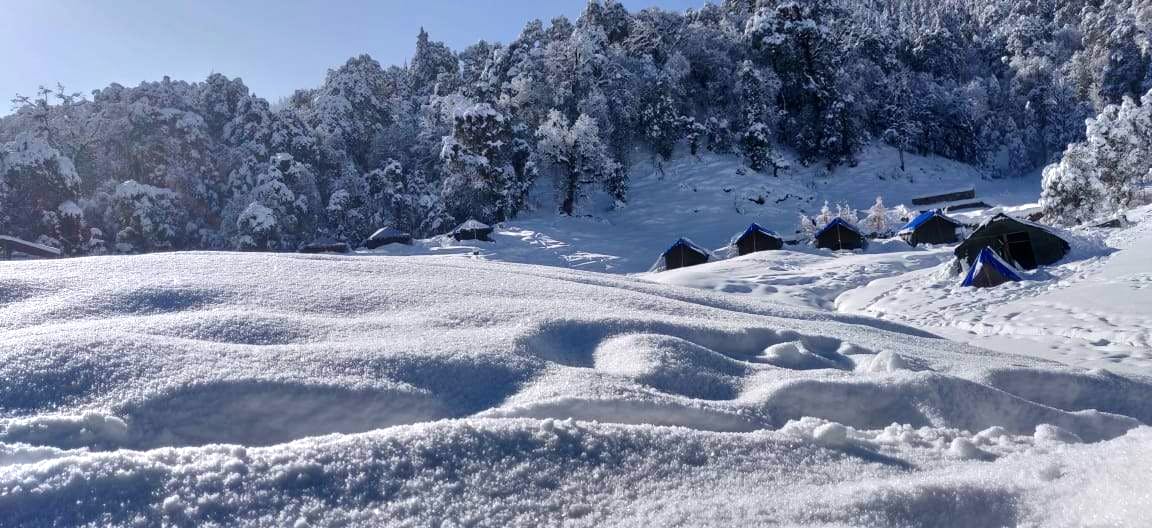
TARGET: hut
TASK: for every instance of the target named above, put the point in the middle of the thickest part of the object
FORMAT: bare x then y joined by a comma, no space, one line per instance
473,230
955,195
931,227
989,270
756,238
684,253
387,235
840,235
11,245
1019,242
325,246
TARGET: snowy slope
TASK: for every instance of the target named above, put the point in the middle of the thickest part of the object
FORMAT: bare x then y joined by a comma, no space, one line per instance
121,375
709,200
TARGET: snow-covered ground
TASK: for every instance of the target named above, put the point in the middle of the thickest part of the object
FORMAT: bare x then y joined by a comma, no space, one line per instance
488,384
202,388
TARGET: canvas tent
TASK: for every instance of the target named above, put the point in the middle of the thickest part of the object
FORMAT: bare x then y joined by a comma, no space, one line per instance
473,230
1022,243
10,245
954,195
325,246
840,235
684,253
756,238
931,227
387,235
989,270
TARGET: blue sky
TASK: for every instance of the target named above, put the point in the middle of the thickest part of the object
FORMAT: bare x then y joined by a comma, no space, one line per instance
275,46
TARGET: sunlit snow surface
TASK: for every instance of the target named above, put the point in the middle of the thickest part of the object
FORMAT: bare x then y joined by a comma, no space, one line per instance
193,389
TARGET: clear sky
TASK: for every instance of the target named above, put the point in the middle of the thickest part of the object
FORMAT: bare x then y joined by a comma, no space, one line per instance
276,46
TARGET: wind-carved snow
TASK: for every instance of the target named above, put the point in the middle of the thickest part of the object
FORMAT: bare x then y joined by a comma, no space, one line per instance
205,388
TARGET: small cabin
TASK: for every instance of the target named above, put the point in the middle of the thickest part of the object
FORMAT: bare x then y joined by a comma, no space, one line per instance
387,235
989,270
325,246
955,195
931,227
1019,242
840,235
756,238
684,253
473,230
10,245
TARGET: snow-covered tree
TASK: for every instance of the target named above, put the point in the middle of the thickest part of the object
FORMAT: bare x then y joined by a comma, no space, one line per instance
756,145
806,227
1101,176
257,228
825,215
577,155
37,188
482,179
847,213
147,218
877,220
407,200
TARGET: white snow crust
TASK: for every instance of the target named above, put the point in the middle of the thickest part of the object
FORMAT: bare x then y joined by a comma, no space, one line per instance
224,389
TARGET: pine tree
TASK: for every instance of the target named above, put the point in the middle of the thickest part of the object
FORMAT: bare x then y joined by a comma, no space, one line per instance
578,156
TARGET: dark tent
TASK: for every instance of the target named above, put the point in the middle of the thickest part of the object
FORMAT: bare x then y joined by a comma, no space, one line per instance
1022,243
10,245
325,246
838,235
756,238
387,235
931,227
473,230
684,253
989,270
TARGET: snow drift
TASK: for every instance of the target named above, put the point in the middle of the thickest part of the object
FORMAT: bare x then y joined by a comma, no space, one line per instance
207,388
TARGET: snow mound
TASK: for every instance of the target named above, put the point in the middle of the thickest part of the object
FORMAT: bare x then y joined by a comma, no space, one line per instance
280,389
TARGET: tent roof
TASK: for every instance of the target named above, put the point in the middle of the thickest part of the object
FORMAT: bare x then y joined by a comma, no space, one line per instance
753,227
388,232
18,244
472,225
924,217
690,244
841,222
988,257
999,217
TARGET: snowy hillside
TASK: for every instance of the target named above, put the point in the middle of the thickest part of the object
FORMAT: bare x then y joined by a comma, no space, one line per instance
709,200
122,374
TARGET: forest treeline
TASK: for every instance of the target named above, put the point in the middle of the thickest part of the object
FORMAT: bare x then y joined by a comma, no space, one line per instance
1005,85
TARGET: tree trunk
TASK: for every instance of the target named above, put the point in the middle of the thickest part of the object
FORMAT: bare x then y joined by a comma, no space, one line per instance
570,189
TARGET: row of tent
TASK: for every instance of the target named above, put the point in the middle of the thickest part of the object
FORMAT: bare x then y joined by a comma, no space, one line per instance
993,251
837,235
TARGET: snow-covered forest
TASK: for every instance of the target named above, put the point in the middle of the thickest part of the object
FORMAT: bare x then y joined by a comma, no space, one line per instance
1003,85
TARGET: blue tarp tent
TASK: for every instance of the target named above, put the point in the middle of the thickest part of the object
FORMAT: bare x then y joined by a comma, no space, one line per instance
931,227
989,270
756,238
